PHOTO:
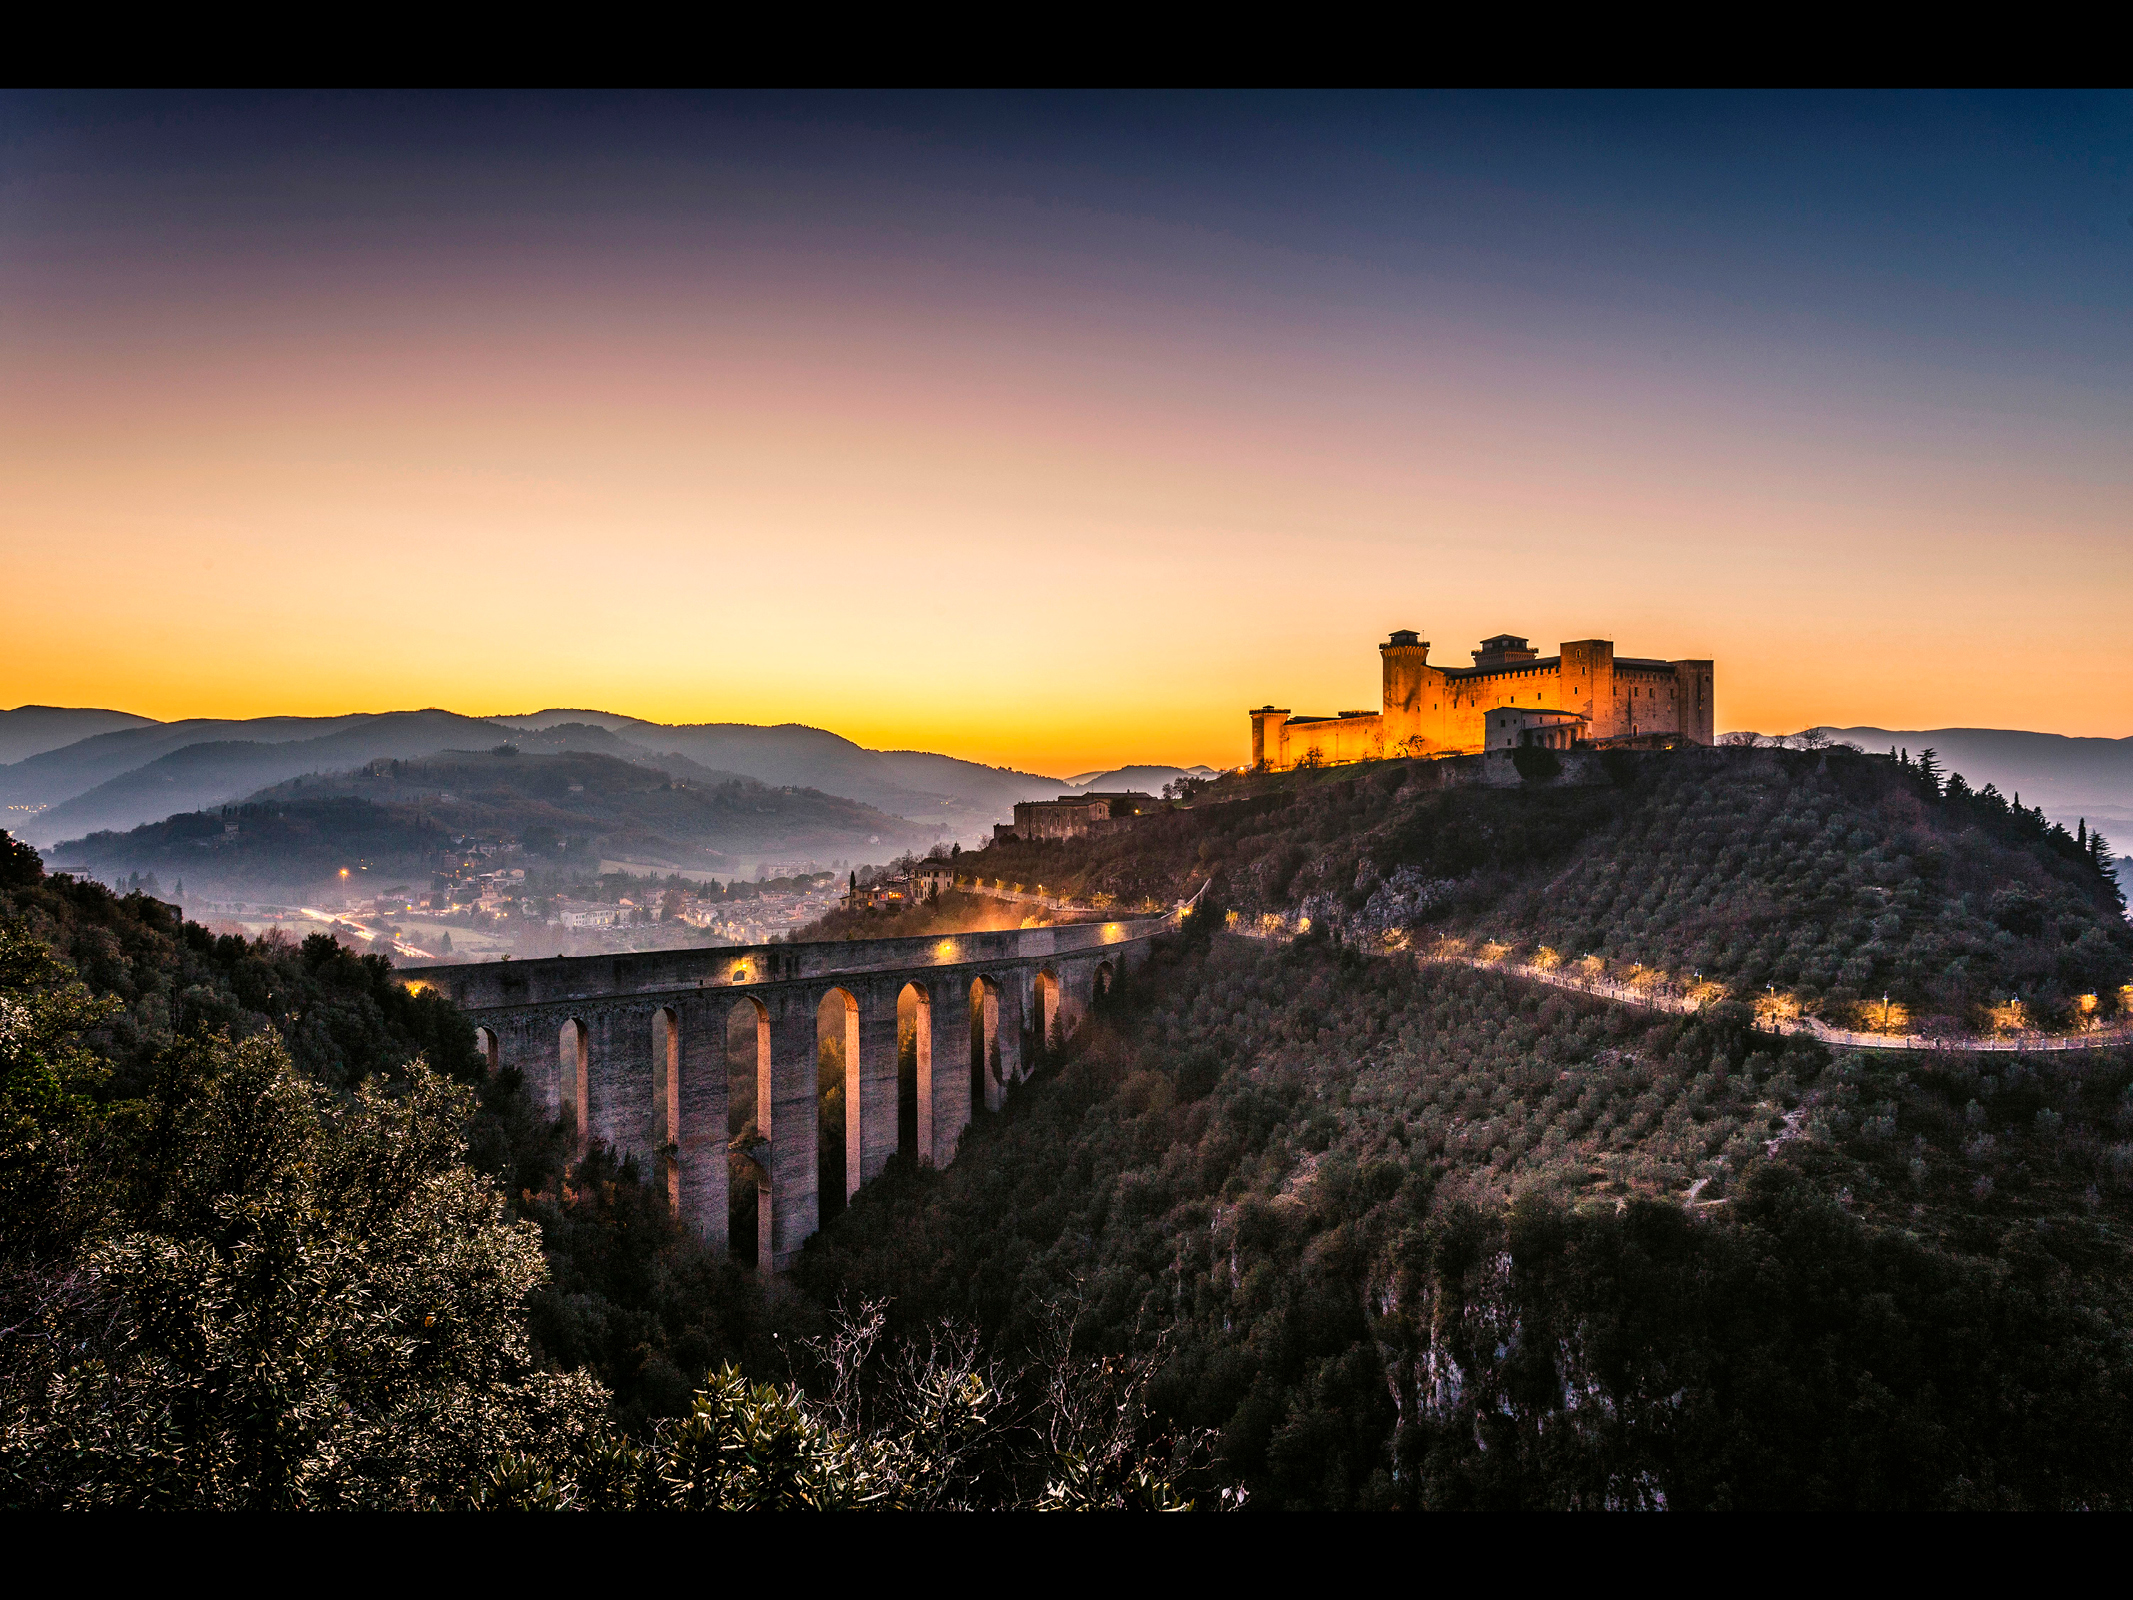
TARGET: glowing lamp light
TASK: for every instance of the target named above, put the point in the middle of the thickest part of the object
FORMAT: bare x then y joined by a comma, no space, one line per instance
945,950
344,872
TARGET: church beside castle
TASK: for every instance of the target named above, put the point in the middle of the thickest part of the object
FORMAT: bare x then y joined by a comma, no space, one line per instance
1511,696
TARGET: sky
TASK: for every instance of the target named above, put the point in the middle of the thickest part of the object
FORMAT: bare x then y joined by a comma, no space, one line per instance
1054,431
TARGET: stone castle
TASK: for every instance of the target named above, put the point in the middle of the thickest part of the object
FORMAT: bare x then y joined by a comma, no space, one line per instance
1511,696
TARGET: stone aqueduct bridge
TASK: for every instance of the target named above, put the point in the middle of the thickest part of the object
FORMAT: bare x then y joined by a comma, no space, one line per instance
646,1052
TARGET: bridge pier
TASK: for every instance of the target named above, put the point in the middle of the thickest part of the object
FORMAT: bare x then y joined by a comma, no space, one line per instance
619,1091
700,1180
793,1212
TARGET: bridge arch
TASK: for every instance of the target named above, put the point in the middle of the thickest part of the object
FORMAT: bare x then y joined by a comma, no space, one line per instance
837,1146
491,1050
984,1043
1100,985
574,1067
914,1073
748,1167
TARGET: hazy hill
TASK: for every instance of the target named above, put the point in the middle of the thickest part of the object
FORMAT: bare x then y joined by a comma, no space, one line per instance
54,776
31,730
2069,778
215,772
1145,780
115,778
396,818
908,783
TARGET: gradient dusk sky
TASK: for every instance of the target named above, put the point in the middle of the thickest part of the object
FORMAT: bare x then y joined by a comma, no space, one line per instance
1057,430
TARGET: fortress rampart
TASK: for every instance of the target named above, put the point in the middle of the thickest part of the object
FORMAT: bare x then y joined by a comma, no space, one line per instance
1511,695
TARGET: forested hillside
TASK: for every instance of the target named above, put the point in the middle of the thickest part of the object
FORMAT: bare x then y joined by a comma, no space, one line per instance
1435,1238
1834,877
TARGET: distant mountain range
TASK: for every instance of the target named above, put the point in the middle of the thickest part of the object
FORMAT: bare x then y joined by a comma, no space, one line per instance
1146,780
31,730
77,772
396,819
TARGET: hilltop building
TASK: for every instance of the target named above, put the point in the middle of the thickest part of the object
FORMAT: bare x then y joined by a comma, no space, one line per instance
1511,696
1071,815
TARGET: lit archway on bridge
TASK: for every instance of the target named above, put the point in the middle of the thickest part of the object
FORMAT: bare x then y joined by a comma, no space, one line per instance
574,1063
914,1074
748,1174
1100,985
837,1170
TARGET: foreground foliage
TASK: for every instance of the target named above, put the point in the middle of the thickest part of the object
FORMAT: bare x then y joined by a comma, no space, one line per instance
236,1285
281,1301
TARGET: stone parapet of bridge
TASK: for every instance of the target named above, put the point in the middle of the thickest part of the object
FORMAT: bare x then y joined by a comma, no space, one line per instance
643,1051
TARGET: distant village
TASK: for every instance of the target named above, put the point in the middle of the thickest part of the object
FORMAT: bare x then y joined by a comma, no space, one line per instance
480,905
490,898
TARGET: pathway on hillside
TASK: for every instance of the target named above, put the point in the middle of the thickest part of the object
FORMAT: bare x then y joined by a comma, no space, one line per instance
1625,994
1843,1038
1657,1000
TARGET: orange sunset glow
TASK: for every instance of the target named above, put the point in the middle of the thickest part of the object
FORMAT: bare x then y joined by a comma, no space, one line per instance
1052,479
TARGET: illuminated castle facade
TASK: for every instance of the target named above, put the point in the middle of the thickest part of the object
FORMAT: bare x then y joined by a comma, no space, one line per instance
1511,696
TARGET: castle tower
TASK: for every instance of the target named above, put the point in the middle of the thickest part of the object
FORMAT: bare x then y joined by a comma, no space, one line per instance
1588,684
1695,681
1404,659
1269,749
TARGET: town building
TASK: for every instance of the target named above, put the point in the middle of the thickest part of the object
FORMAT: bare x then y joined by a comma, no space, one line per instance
1511,696
592,914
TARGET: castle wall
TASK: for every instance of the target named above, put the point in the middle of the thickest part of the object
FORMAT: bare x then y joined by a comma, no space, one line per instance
1588,680
1430,710
1332,741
